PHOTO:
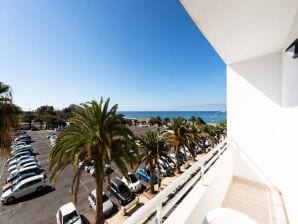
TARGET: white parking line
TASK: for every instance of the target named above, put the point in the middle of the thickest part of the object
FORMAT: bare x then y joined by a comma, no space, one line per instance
85,186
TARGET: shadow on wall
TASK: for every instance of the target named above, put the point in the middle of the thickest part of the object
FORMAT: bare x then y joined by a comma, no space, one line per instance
264,73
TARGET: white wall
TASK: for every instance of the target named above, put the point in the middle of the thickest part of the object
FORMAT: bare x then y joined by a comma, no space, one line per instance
289,71
262,105
203,198
253,93
289,125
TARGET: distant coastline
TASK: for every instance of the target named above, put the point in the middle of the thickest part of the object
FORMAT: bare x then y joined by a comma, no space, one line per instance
207,116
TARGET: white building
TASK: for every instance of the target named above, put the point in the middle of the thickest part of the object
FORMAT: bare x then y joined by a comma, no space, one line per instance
257,173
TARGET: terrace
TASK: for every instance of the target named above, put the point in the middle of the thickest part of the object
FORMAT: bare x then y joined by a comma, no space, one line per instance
253,173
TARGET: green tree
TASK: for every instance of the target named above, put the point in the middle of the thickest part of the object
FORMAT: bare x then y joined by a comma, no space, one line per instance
8,118
152,147
200,121
192,141
88,139
159,121
166,121
28,117
193,119
177,135
205,132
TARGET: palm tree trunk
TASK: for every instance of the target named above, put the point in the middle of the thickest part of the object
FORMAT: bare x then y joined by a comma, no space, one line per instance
76,183
151,177
178,170
99,175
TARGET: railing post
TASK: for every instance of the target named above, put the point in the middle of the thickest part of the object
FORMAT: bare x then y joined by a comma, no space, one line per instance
158,214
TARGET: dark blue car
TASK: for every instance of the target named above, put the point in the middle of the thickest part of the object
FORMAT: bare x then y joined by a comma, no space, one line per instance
144,174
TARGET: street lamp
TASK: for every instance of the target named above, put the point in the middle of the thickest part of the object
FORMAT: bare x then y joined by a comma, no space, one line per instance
213,116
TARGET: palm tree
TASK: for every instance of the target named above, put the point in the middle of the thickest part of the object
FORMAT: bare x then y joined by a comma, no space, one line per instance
166,121
159,121
193,119
177,135
28,116
205,132
94,127
8,118
152,148
200,121
192,141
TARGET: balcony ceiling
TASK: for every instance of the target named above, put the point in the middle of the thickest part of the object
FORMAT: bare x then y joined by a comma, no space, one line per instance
243,29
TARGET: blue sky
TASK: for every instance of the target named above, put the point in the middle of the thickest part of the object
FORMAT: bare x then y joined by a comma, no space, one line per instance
145,55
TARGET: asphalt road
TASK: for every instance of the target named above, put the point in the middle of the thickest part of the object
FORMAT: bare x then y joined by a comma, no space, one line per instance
42,208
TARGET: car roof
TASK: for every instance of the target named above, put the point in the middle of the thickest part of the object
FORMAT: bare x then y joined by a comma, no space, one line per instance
117,181
28,167
22,152
67,208
29,179
27,159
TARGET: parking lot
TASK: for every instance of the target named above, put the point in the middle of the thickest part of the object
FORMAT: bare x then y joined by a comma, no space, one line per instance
42,208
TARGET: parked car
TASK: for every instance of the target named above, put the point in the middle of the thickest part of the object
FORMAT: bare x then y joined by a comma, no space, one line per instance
23,163
35,168
68,214
18,144
132,182
50,135
120,190
21,149
107,205
164,168
23,138
173,158
15,161
23,188
53,138
17,180
20,154
169,161
144,174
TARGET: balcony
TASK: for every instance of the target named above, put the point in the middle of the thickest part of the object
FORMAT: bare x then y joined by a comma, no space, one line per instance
210,183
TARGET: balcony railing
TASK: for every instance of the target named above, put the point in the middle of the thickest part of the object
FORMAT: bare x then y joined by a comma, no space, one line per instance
161,206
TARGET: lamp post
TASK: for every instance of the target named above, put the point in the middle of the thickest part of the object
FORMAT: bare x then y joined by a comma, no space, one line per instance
213,116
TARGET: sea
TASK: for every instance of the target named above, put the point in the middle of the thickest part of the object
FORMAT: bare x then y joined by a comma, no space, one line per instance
207,116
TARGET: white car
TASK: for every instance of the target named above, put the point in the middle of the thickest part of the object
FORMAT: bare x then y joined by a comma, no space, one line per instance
19,170
18,145
23,188
20,154
107,205
15,161
23,163
68,214
132,182
23,148
53,138
50,135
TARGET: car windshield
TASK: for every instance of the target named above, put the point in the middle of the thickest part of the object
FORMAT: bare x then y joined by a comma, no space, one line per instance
122,188
132,178
71,217
15,181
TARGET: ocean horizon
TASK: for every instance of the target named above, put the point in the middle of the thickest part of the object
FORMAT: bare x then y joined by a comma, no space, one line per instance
207,116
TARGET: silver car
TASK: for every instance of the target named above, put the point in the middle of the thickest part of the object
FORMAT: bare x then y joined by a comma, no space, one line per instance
107,205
